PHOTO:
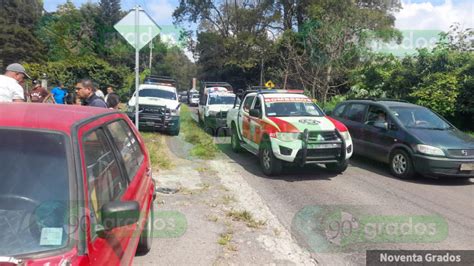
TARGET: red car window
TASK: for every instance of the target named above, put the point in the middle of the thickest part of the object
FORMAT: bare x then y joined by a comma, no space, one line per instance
104,178
128,146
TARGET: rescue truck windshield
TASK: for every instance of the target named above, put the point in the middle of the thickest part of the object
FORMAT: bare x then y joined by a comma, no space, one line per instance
291,107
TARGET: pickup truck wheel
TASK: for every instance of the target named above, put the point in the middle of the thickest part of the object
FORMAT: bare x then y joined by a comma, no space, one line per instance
146,237
338,168
271,166
235,141
401,164
174,132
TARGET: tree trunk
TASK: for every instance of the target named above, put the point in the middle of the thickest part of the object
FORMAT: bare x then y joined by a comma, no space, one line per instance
326,85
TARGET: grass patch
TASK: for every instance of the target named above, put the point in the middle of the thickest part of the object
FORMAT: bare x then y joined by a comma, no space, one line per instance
204,146
228,199
224,239
470,133
158,156
245,217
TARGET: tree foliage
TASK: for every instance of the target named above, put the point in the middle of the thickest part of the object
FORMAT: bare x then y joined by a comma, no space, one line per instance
18,19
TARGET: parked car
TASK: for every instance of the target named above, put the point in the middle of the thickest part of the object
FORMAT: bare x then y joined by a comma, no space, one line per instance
193,99
77,186
159,108
410,138
283,126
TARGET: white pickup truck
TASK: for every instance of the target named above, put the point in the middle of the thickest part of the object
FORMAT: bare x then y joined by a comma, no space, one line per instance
159,108
213,107
286,126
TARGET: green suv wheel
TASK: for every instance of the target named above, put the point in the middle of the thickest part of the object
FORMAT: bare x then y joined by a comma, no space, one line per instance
401,164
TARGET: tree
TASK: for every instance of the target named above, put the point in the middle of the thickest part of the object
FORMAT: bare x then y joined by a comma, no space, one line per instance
18,19
233,37
110,12
331,40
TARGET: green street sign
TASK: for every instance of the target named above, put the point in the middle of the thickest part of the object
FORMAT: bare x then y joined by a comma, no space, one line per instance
147,29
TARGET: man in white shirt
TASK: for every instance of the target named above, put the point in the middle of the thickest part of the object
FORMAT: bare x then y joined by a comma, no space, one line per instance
10,88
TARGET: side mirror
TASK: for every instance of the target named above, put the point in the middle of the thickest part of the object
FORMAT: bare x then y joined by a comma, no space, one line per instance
255,112
392,126
119,213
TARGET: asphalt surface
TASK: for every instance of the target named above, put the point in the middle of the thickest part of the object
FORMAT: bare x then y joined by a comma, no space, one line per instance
369,190
380,211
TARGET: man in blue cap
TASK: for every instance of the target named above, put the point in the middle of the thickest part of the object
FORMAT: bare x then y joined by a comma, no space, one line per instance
10,88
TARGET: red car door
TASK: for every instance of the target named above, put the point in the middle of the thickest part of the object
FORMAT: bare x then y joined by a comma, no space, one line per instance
105,181
131,150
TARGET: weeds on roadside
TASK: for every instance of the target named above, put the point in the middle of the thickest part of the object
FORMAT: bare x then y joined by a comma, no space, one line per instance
204,146
158,156
246,217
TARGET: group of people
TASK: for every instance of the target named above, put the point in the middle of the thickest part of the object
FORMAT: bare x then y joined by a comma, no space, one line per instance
85,93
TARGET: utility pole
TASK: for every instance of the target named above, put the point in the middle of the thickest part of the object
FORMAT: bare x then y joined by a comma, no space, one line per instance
261,73
151,54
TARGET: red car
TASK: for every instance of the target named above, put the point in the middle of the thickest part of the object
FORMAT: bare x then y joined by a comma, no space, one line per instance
76,186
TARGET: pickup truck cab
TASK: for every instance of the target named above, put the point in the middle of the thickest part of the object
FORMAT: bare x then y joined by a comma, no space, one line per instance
213,108
286,126
159,107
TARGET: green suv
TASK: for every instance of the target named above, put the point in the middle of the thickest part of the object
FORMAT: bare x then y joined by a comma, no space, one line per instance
410,138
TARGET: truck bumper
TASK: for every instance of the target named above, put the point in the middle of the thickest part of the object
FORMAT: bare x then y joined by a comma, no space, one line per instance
302,152
157,122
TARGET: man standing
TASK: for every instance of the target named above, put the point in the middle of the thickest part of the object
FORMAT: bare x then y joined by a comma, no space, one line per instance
86,91
38,93
10,88
112,99
59,93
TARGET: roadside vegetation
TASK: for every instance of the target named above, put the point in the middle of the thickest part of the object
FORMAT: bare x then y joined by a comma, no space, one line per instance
158,156
246,217
204,146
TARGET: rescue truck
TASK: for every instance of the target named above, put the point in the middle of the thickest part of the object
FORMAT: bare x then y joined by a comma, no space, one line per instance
285,126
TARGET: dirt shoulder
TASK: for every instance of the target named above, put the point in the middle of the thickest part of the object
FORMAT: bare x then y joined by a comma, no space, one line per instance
225,220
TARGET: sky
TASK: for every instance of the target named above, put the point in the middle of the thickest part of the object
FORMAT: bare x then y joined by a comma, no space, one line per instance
415,14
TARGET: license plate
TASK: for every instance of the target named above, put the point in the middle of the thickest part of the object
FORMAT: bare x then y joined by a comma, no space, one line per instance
467,167
323,146
149,123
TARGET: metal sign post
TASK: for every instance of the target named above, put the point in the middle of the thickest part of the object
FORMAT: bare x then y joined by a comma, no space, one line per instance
138,28
137,66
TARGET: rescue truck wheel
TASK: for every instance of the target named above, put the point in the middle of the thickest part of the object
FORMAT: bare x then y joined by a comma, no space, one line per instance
271,166
339,167
234,140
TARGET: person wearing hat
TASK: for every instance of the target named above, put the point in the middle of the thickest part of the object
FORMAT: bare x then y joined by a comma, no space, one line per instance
38,94
10,88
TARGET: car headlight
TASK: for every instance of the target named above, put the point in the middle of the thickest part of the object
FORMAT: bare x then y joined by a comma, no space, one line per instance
429,150
345,135
175,111
212,113
286,136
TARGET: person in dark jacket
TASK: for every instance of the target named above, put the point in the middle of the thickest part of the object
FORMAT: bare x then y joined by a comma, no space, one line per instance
86,92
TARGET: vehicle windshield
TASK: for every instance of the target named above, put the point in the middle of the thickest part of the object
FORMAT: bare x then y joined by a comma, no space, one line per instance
34,195
220,99
419,117
195,96
291,107
157,93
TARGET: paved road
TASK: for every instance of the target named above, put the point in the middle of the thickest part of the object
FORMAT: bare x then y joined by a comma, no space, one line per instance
386,211
377,194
